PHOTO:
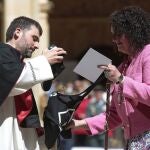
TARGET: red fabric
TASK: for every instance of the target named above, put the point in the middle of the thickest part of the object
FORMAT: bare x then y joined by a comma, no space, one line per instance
23,103
80,113
40,131
110,133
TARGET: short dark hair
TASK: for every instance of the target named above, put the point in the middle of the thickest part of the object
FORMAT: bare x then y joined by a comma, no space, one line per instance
134,22
21,22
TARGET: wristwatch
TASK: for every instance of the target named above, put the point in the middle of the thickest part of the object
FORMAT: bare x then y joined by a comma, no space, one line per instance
120,79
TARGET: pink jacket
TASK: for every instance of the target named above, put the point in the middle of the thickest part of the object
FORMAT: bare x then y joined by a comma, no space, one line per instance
133,113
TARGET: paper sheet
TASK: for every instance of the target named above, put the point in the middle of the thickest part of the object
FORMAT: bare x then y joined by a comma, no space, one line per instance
87,67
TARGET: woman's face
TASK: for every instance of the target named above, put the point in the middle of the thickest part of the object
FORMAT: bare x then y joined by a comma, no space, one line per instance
121,42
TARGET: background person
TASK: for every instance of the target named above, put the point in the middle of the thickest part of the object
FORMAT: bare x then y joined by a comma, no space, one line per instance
96,105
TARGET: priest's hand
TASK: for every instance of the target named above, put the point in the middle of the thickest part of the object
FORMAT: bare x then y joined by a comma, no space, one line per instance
55,55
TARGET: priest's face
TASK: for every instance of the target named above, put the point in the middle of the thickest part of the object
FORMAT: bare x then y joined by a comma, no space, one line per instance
28,41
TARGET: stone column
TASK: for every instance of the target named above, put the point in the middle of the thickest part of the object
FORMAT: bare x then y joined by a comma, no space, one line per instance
40,97
44,6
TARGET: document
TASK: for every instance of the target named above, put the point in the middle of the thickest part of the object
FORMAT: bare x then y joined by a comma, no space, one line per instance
88,65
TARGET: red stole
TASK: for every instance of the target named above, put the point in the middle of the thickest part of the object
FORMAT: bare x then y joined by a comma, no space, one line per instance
24,104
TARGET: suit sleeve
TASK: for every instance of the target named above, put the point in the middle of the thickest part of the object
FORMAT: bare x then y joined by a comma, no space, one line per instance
97,123
139,92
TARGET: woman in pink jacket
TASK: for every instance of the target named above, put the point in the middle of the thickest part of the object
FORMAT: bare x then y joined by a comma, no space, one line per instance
130,104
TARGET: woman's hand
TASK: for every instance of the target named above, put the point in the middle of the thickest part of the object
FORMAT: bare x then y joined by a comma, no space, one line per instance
76,124
111,72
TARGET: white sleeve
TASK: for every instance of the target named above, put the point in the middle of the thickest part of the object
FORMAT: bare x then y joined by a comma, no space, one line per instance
36,70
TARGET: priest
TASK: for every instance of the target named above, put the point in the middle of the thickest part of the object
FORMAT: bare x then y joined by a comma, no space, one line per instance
18,112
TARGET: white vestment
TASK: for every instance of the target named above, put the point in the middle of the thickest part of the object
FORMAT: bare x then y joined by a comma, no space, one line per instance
12,137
